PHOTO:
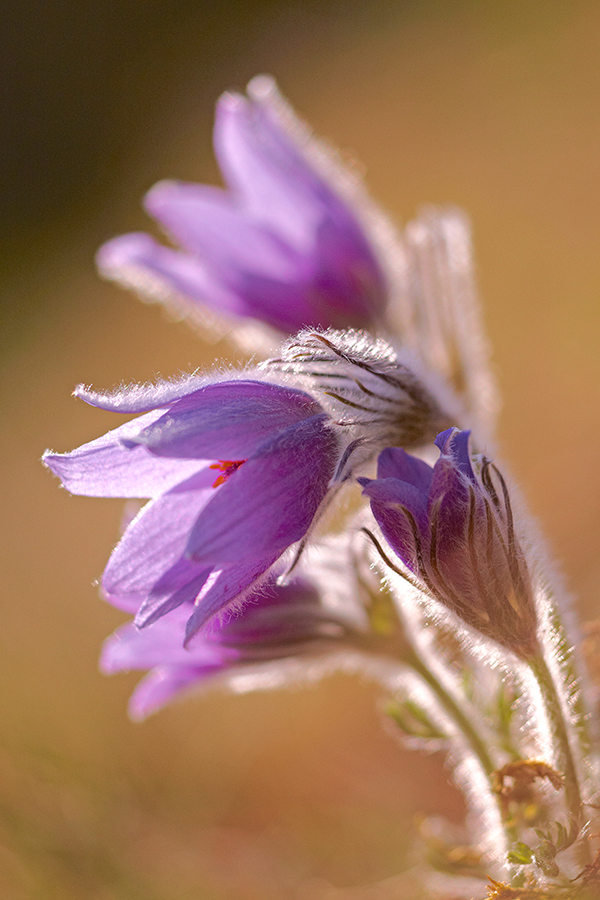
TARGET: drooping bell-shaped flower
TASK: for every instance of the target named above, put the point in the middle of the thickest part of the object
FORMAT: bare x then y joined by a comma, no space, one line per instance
452,527
285,243
276,622
235,471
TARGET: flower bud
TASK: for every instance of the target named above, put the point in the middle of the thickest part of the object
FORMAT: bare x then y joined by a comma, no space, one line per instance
452,527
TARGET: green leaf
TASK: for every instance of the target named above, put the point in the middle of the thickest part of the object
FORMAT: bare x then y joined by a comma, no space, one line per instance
520,854
413,720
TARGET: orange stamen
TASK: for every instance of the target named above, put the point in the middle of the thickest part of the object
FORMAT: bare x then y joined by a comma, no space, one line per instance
227,467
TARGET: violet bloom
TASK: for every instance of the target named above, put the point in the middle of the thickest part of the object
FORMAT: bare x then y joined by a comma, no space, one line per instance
276,622
235,472
452,527
283,244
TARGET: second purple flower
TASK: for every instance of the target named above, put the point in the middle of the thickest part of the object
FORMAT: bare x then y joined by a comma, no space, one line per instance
285,244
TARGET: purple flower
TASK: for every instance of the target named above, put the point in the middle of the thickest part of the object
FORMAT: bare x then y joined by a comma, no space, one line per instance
235,472
452,527
276,622
283,244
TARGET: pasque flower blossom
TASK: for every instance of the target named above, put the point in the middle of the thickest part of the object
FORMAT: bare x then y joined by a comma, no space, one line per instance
283,244
452,527
235,472
276,622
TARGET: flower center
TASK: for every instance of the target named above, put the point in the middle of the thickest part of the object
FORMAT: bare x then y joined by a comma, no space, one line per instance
227,467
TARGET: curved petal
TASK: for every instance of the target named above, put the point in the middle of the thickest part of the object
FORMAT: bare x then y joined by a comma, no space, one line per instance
393,462
449,488
273,609
142,398
226,586
389,500
139,262
395,493
286,245
261,162
289,180
292,305
209,222
180,585
163,684
160,644
348,274
228,420
270,501
336,282
156,539
106,467
455,444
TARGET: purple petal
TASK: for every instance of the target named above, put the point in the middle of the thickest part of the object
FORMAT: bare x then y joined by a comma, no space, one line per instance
461,449
349,278
270,501
156,539
137,261
394,462
107,468
180,585
225,587
443,439
160,644
266,155
141,398
270,613
210,222
449,492
394,493
283,245
456,445
447,483
163,684
263,165
229,420
389,498
269,610
332,283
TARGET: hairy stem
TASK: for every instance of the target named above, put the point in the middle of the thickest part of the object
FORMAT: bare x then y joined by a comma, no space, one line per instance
458,715
463,723
560,735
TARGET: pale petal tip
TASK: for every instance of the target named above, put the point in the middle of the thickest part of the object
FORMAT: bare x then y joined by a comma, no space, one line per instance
151,695
139,708
117,254
231,102
107,664
159,192
86,393
262,87
50,460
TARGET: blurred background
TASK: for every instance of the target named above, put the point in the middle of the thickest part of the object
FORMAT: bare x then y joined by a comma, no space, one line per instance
492,106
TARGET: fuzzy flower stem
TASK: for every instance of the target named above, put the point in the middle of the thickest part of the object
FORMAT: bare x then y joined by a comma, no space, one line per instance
469,732
465,727
453,709
558,727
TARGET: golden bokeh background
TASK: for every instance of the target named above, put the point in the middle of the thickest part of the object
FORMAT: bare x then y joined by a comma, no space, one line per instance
492,106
